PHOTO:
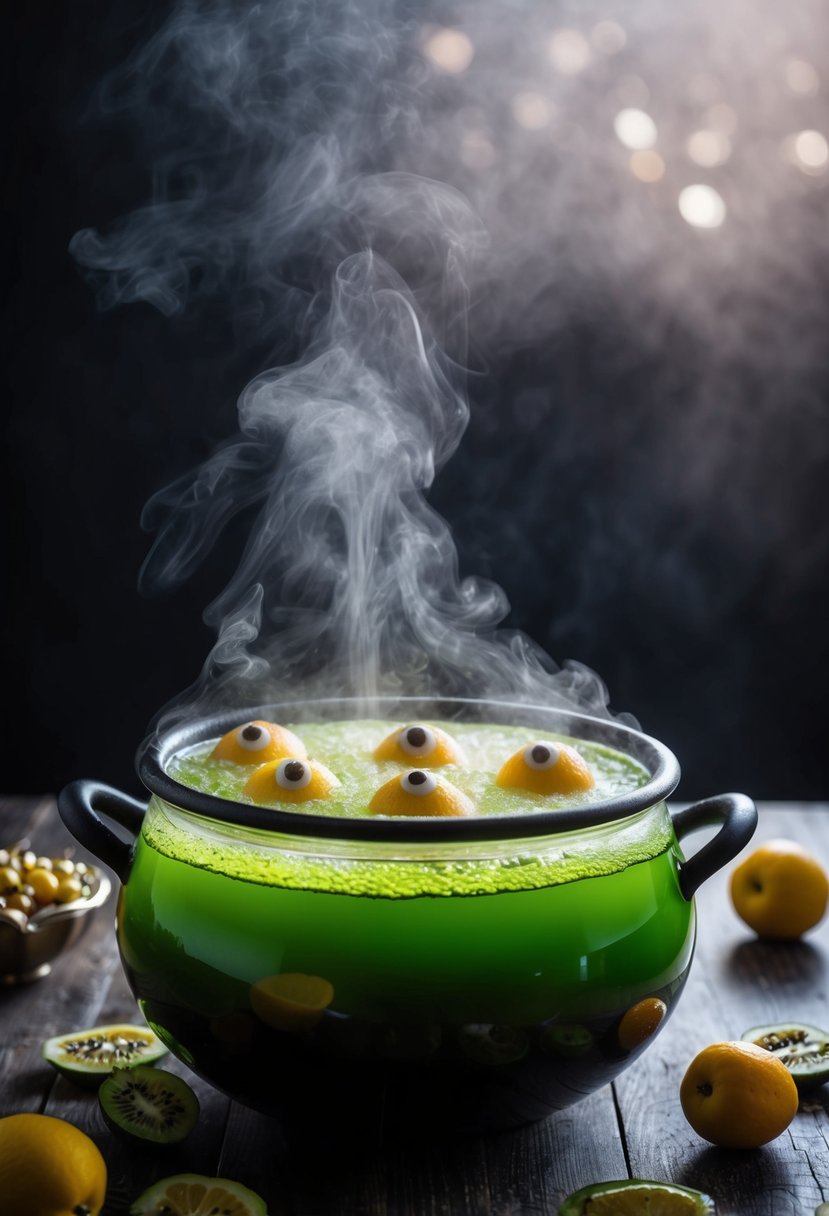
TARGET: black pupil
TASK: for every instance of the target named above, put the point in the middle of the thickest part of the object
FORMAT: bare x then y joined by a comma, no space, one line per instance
417,778
416,736
294,771
541,754
252,733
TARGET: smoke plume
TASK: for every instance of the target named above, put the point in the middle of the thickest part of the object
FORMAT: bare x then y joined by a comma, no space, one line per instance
376,184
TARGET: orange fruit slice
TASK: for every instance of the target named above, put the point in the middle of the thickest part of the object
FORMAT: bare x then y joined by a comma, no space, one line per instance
291,1001
738,1095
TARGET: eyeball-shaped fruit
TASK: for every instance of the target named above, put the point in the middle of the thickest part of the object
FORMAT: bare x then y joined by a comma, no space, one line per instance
427,746
290,780
546,768
417,793
257,743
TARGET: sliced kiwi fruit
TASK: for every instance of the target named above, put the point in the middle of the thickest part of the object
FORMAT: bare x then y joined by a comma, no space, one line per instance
149,1103
634,1197
803,1049
87,1056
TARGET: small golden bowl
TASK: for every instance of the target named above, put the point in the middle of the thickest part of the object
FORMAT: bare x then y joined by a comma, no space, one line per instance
29,944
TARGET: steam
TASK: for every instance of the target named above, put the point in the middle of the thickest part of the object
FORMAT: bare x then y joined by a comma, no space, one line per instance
363,181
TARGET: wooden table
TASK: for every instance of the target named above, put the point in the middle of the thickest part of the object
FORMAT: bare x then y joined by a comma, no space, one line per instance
634,1127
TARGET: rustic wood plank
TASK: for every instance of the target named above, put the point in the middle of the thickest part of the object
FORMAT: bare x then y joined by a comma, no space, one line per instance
80,976
132,1165
526,1171
737,982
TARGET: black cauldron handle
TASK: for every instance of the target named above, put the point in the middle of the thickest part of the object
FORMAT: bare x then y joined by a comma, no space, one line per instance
79,804
738,816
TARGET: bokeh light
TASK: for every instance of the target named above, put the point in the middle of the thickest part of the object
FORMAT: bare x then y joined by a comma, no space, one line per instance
801,77
701,206
635,129
709,148
811,152
532,111
450,50
569,52
647,165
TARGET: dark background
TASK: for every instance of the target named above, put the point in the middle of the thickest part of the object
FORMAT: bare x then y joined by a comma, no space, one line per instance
721,655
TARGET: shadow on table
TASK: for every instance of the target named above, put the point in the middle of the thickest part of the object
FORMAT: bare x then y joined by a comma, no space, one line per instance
792,963
738,1180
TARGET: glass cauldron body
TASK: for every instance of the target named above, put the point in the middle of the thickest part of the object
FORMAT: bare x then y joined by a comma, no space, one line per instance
409,984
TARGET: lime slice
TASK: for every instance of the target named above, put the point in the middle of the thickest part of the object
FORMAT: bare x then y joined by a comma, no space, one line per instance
635,1197
803,1049
196,1195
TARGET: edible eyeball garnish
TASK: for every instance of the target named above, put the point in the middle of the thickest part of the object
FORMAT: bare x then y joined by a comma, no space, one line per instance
418,793
257,742
546,768
428,746
290,780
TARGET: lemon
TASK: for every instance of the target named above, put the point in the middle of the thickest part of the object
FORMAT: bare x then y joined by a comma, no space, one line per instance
195,1195
738,1095
635,1197
49,1168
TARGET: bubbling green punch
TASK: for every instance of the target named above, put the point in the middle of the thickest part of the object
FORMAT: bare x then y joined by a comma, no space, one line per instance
471,982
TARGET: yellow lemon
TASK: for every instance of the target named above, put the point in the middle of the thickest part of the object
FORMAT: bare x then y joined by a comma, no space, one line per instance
780,890
257,742
290,780
546,768
425,746
419,793
49,1168
738,1095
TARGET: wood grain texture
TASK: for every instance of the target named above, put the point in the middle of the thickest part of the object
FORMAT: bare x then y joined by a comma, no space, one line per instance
735,982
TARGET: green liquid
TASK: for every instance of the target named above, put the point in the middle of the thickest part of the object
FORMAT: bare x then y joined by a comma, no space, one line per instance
474,991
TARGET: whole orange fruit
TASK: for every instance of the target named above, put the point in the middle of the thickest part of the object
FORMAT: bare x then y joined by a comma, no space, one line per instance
780,890
738,1095
48,1167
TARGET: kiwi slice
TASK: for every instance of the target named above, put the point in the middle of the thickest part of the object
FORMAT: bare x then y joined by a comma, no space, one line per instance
803,1049
87,1056
149,1103
634,1197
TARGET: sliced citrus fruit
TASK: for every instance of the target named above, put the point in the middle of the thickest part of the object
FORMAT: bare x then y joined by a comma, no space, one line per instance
87,1056
290,1000
197,1195
803,1049
636,1197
